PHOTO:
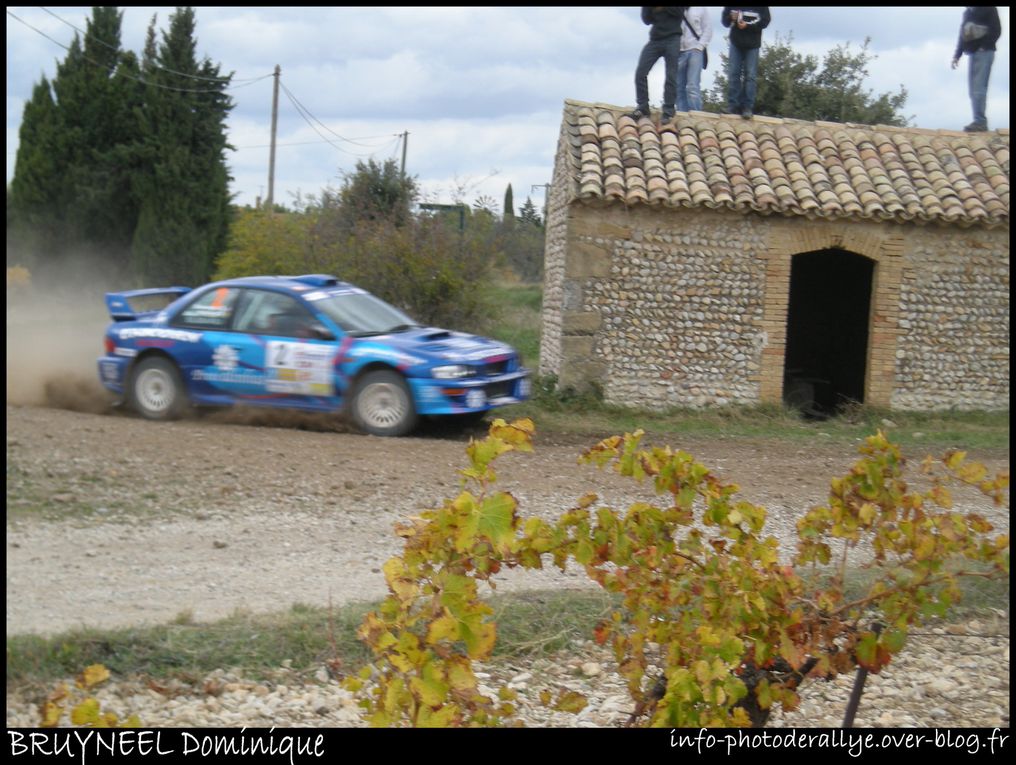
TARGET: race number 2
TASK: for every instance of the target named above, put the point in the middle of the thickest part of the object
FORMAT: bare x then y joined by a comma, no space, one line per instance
302,369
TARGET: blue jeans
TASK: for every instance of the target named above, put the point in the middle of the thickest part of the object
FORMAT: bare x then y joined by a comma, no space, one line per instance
980,69
669,50
743,71
689,78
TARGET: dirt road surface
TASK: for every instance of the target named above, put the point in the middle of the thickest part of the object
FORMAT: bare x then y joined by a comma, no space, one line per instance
114,520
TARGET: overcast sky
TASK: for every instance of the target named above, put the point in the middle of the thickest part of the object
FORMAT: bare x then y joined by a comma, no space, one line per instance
479,90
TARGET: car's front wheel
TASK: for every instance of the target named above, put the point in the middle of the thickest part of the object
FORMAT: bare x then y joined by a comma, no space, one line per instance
156,392
383,405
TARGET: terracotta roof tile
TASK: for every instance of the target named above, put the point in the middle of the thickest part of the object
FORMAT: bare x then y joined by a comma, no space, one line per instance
788,167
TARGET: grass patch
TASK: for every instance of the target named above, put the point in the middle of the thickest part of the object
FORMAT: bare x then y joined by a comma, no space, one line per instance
529,624
515,318
567,412
981,596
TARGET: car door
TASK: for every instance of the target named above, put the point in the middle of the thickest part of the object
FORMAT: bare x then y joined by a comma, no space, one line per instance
211,365
277,334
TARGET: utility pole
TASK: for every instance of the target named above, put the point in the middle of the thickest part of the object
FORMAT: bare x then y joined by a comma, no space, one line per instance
405,141
271,155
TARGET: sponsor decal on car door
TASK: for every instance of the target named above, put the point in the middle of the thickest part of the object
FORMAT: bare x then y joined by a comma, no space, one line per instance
299,368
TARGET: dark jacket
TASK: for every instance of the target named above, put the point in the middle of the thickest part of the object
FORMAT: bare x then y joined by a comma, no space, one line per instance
986,15
665,20
751,36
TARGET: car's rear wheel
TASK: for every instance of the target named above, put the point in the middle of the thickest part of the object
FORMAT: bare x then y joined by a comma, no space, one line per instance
383,405
156,392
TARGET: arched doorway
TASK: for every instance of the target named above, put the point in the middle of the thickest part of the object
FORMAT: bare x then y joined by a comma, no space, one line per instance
828,316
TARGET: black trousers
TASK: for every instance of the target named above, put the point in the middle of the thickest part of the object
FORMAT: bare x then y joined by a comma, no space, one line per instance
669,49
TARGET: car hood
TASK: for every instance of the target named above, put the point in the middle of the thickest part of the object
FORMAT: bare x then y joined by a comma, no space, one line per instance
430,344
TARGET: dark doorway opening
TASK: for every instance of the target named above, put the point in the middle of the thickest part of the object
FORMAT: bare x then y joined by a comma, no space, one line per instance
827,331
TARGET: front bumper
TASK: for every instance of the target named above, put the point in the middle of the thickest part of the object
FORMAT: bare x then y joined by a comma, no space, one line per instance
476,394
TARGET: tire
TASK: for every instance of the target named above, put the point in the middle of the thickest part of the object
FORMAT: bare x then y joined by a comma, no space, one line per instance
383,405
156,392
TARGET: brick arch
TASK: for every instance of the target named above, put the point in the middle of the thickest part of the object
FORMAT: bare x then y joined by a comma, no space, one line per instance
796,237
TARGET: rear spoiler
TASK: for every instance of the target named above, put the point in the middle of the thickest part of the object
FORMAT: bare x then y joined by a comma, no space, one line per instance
120,308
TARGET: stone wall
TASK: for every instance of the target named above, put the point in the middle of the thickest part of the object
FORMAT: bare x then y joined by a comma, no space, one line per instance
555,243
661,307
954,321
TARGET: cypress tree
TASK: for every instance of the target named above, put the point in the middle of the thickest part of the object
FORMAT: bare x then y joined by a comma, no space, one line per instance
183,195
509,206
33,230
69,193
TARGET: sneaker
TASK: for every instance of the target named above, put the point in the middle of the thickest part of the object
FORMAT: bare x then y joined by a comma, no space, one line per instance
639,113
667,116
747,114
976,127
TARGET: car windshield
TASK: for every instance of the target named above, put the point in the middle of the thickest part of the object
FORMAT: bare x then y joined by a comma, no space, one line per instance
361,314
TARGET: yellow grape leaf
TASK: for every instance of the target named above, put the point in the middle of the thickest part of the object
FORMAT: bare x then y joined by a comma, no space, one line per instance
49,714
395,574
954,459
497,520
439,718
460,674
86,713
92,676
570,701
429,687
444,628
519,433
478,636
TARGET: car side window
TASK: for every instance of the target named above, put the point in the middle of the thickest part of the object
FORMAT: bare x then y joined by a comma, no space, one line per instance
212,310
272,313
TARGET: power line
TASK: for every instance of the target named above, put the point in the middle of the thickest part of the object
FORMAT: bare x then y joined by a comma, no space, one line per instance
303,109
308,117
163,68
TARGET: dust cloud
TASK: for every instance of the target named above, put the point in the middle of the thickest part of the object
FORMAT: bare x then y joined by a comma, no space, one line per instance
54,337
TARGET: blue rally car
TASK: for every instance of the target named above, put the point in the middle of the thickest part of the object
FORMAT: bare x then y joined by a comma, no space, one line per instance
309,342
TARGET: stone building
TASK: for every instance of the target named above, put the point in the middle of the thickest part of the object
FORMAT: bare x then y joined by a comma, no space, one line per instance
715,261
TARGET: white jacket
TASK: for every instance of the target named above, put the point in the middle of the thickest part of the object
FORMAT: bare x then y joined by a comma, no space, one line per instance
697,18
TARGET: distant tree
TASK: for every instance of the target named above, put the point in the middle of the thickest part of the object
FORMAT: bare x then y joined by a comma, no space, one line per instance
529,214
365,233
508,215
260,243
794,85
523,244
375,191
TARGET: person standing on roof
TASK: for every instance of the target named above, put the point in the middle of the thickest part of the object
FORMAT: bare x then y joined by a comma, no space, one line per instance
695,37
664,42
746,25
979,31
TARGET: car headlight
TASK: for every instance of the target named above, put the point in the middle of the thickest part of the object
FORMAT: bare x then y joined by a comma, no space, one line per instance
451,372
